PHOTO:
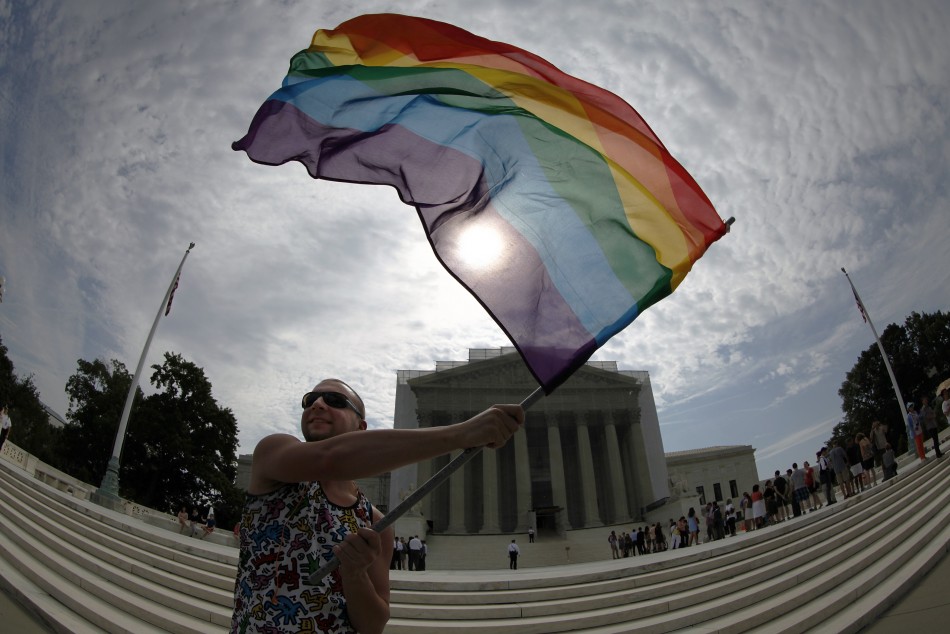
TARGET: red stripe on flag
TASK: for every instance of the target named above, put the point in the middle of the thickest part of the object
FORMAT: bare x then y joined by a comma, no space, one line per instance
168,306
857,300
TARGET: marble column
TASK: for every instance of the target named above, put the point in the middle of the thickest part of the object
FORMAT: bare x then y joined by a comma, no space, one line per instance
558,487
588,480
489,492
424,470
457,501
617,484
637,455
522,481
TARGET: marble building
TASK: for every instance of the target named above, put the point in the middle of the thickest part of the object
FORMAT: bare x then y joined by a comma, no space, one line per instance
590,454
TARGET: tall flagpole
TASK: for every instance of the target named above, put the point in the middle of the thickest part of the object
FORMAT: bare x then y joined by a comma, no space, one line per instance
109,489
880,346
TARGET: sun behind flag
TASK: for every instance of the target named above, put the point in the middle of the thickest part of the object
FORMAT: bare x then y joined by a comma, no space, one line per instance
548,198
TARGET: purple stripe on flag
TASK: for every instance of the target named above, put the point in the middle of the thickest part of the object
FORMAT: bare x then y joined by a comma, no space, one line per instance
528,307
391,155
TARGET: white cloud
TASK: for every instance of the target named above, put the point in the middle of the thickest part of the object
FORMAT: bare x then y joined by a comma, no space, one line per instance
819,125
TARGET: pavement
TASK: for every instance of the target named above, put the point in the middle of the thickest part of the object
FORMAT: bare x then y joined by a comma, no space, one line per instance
926,605
17,619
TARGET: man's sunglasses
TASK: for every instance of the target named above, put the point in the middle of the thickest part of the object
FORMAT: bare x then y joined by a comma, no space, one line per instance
332,399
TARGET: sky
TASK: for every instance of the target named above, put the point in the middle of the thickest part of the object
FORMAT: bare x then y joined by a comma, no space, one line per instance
821,127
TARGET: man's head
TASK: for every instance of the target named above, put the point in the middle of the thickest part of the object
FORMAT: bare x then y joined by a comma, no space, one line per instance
331,409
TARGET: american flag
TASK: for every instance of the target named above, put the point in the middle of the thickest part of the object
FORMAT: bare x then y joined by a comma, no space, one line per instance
857,299
168,306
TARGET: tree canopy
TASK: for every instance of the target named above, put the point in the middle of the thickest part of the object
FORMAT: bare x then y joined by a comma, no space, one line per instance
919,352
31,429
180,446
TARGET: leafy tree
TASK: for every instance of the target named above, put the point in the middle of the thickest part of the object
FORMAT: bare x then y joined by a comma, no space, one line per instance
97,394
31,427
180,445
182,448
919,352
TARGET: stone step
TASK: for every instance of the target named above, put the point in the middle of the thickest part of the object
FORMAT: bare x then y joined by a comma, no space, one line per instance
87,569
115,531
61,535
405,583
619,575
123,590
54,615
838,550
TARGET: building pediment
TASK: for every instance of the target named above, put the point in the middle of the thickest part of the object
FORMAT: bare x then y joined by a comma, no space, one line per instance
506,376
510,371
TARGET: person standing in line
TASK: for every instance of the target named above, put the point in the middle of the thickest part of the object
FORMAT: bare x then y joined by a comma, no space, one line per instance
780,484
856,467
745,505
5,425
423,553
612,540
758,507
692,524
945,406
878,436
889,462
403,554
915,433
394,560
513,552
867,460
731,518
839,461
415,549
928,418
812,485
799,490
825,474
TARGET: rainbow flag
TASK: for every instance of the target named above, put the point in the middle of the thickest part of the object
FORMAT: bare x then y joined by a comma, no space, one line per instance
548,198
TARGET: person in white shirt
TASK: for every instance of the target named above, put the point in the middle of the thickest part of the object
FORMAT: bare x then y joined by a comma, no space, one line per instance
513,552
945,406
5,425
415,552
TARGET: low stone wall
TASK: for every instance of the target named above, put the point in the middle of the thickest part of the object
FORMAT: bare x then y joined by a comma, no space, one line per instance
85,491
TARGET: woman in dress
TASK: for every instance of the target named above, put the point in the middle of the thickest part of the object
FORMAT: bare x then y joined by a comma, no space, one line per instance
692,523
748,520
758,507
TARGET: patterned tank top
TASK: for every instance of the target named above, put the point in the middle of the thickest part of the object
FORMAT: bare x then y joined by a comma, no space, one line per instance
286,535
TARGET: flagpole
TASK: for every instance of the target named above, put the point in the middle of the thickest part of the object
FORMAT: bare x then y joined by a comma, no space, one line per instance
880,346
416,496
109,489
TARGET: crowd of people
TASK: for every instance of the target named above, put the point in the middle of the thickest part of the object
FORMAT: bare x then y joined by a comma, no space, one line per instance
845,468
195,523
639,541
409,554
